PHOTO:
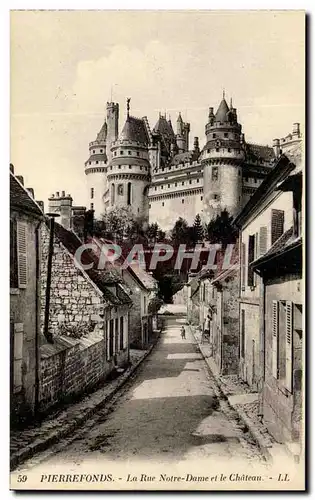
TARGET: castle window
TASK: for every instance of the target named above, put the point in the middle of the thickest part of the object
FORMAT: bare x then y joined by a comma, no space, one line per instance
214,174
183,201
155,188
229,150
183,183
162,203
255,180
112,194
149,205
120,189
111,168
214,136
97,163
226,134
101,151
129,166
93,151
138,154
169,168
92,193
115,153
162,187
140,168
168,185
201,198
121,152
246,179
129,152
89,163
175,184
197,180
208,150
129,193
216,197
92,206
217,150
190,181
119,167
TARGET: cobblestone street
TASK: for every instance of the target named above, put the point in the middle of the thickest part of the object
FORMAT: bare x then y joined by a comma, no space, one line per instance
168,411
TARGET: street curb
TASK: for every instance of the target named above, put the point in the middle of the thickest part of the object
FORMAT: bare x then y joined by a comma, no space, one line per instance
241,414
30,450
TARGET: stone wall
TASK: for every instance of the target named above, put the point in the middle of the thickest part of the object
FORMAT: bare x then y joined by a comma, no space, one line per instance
75,302
230,344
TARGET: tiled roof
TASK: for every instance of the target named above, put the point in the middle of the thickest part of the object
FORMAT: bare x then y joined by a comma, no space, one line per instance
21,199
257,152
185,157
97,157
146,279
285,242
221,114
102,278
164,128
102,135
134,130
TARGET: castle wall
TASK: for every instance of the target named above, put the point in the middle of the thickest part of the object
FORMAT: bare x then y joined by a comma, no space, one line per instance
97,181
167,210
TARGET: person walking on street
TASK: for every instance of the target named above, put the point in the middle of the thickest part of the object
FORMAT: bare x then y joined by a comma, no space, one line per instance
183,333
206,332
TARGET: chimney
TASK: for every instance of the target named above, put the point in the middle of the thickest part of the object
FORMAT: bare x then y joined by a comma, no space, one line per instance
78,220
296,129
63,194
57,194
196,145
65,210
41,205
21,179
12,168
276,147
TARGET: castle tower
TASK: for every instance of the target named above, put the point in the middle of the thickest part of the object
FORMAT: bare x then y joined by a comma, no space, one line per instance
180,136
128,173
112,126
95,172
222,158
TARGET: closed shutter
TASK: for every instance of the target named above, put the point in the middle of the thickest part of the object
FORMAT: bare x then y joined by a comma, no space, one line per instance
263,240
126,329
243,266
251,255
121,337
288,346
107,338
256,255
21,234
275,338
116,335
243,333
277,224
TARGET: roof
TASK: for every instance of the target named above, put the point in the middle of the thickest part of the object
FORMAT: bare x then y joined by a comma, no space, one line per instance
185,157
134,130
143,276
21,199
164,127
103,279
256,152
102,135
231,271
280,171
286,242
221,114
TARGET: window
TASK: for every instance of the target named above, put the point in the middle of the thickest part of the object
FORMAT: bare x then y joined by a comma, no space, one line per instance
183,183
277,224
216,197
201,198
214,174
275,339
246,179
140,168
119,167
168,185
129,166
242,346
111,168
183,201
116,334
217,150
208,150
229,150
263,233
189,181
243,266
129,153
120,189
197,180
129,193
112,194
162,187
251,255
111,339
101,151
97,162
175,184
92,206
226,134
16,344
13,256
90,163
115,153
121,333
214,136
288,345
92,193
93,151
155,188
149,205
138,154
21,245
121,152
162,203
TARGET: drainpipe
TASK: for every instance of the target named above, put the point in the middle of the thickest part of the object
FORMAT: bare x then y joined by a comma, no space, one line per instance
47,334
37,322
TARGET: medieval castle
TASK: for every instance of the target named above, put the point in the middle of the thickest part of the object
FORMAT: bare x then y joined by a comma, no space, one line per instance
154,172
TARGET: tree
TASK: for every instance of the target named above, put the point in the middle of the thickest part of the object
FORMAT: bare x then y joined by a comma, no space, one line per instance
154,233
119,224
180,232
221,230
196,231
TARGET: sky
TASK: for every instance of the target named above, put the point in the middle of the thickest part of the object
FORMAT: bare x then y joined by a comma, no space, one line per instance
65,65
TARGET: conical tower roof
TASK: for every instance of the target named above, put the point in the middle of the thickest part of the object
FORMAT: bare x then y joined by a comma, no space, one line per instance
102,135
221,114
134,130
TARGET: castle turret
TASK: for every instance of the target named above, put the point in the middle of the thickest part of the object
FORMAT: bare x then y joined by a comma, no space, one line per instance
112,125
95,172
180,136
222,158
128,173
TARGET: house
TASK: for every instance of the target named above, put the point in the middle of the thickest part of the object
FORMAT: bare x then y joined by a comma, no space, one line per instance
280,268
263,220
143,289
88,320
26,217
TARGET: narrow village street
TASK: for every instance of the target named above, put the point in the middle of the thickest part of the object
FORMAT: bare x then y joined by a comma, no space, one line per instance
168,411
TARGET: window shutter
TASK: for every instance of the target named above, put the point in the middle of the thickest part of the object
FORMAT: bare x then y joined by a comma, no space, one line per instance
263,240
126,331
277,224
21,234
256,255
243,265
288,346
251,255
275,338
